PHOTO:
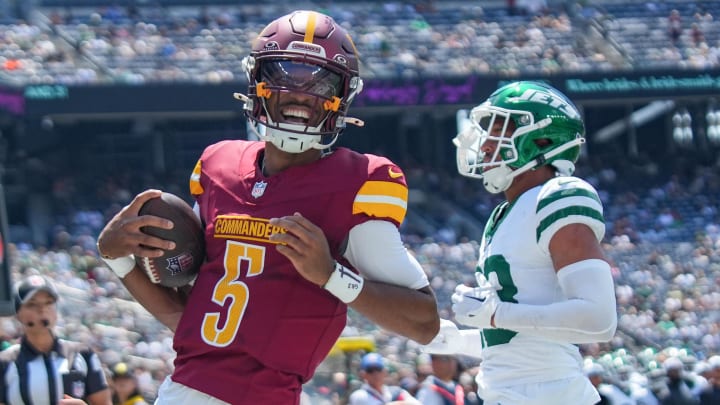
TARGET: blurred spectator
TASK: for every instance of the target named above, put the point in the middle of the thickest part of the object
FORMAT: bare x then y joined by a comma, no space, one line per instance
467,380
674,26
711,396
697,34
373,371
125,386
610,394
702,373
595,373
678,390
442,387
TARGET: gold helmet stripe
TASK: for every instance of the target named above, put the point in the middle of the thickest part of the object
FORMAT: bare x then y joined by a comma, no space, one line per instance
355,51
310,27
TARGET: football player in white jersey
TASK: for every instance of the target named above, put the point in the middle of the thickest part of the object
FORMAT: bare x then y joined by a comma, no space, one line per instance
544,285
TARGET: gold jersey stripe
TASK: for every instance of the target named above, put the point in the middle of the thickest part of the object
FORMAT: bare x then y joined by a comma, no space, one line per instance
250,238
195,187
310,28
383,188
382,199
380,210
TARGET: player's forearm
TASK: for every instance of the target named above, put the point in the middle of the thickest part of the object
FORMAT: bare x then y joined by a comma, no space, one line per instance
572,321
588,315
165,304
411,313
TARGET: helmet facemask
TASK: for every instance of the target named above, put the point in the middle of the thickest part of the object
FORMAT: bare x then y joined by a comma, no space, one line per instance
503,164
298,103
298,98
503,142
490,124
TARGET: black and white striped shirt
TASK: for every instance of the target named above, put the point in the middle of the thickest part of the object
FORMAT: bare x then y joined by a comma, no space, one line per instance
30,377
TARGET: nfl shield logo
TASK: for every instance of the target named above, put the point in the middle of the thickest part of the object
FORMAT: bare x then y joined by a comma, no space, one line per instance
178,264
78,389
259,189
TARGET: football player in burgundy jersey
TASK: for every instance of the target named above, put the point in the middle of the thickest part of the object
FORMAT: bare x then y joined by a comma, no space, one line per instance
295,232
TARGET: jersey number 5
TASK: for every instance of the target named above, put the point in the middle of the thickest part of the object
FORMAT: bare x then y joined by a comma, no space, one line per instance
228,287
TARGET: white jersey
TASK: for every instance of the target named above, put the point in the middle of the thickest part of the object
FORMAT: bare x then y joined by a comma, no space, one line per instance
515,246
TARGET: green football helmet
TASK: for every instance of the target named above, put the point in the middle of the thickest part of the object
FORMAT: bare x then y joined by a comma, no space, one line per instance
548,131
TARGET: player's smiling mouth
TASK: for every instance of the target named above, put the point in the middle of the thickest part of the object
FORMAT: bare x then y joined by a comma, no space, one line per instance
296,114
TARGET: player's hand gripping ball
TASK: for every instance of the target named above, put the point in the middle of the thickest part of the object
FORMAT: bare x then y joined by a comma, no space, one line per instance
179,266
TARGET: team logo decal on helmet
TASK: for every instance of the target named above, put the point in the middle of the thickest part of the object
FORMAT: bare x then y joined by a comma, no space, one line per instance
340,59
271,46
303,53
547,129
309,48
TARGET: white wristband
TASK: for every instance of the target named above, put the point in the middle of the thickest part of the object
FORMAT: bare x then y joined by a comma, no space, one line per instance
121,266
344,283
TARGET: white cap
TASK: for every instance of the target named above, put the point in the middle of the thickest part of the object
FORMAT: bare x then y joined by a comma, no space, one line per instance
593,369
672,363
701,367
714,362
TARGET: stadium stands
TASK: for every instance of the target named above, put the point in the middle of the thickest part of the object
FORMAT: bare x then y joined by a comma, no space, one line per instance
665,35
179,43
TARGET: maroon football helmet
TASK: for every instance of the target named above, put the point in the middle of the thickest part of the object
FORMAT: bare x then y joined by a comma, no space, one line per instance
303,53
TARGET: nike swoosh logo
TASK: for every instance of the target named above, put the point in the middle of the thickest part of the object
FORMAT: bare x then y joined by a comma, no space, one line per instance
476,299
394,175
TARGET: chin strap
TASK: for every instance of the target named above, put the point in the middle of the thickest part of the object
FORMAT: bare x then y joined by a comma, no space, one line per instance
498,179
540,160
354,121
241,97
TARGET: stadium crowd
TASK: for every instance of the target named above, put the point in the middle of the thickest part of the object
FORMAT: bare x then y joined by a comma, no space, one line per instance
153,43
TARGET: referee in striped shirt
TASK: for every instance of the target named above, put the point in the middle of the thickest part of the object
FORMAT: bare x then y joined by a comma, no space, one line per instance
43,369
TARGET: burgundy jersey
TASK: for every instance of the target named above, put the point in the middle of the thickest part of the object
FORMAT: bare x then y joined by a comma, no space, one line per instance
254,329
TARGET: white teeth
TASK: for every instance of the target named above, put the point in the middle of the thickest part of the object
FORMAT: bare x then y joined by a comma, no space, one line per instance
296,113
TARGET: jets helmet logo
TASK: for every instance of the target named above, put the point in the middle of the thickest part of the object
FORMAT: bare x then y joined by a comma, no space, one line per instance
549,98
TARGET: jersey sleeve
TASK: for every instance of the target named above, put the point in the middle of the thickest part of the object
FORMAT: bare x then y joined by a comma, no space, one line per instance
564,201
384,194
196,187
373,247
196,177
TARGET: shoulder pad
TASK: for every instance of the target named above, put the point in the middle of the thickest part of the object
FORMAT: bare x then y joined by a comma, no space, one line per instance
566,200
560,188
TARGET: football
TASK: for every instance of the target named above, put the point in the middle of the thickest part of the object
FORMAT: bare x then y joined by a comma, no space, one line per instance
177,267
